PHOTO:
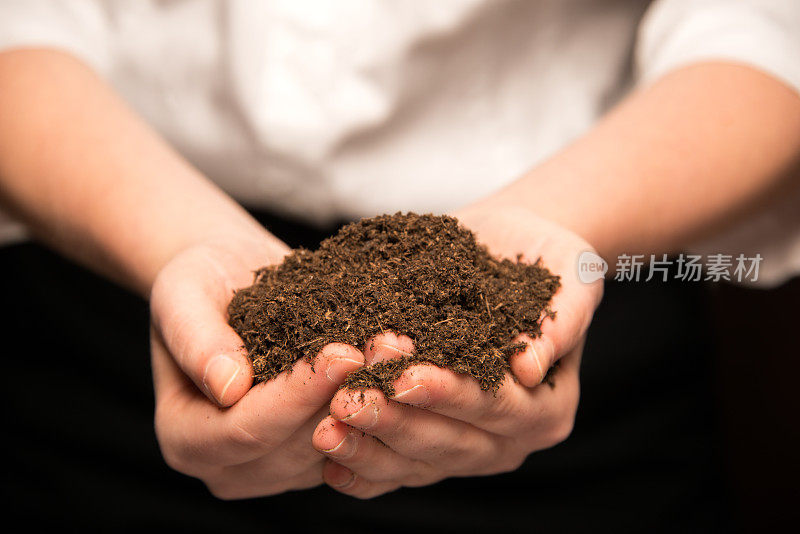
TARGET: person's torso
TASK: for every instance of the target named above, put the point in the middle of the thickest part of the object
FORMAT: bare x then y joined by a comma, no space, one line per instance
334,110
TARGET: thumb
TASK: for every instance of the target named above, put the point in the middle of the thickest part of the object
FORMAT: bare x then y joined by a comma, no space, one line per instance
574,304
189,311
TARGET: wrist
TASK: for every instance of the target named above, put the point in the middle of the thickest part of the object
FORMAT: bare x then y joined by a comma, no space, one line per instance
560,192
534,195
249,245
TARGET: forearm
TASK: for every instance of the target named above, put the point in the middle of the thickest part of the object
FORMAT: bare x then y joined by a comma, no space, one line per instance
671,163
95,182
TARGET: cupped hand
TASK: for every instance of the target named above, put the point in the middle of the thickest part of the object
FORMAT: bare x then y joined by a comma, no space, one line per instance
210,424
440,424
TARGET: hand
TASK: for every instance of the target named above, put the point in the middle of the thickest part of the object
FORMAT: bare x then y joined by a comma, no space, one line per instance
440,424
262,444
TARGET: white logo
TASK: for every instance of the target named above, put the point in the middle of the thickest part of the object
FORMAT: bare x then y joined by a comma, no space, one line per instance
591,267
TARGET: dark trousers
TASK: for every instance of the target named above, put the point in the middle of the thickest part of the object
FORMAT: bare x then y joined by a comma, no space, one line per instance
643,456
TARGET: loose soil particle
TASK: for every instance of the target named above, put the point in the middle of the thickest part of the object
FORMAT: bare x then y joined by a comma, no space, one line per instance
424,276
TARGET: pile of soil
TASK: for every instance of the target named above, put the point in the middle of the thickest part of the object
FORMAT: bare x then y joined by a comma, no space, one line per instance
424,276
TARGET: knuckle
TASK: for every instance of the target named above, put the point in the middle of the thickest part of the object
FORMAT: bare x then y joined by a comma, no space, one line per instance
175,460
179,452
563,424
446,395
183,457
480,464
433,452
365,491
511,462
362,494
175,455
419,479
391,427
445,392
458,457
561,431
242,437
498,409
503,458
442,385
483,456
460,452
225,492
298,459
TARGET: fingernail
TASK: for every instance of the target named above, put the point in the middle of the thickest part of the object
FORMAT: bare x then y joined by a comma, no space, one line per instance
365,418
347,483
414,395
219,375
385,351
339,368
543,354
345,449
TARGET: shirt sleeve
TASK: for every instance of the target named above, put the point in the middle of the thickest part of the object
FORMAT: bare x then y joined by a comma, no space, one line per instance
80,27
763,34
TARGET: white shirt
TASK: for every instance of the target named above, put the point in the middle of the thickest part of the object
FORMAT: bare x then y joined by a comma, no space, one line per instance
351,108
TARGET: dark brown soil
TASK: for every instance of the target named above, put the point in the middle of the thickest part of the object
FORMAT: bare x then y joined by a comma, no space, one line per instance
419,275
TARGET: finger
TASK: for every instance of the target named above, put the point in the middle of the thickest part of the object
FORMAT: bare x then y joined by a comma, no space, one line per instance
387,346
368,457
345,481
292,457
574,304
531,364
188,427
574,307
274,409
512,410
189,310
448,444
245,482
193,431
